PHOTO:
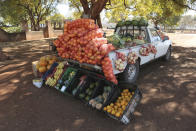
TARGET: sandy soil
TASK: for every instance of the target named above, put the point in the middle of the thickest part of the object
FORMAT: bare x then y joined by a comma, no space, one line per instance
168,104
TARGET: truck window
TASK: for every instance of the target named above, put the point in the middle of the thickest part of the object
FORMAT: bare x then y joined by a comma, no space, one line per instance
155,35
135,33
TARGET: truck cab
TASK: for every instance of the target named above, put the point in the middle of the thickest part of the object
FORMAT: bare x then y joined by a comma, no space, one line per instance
132,38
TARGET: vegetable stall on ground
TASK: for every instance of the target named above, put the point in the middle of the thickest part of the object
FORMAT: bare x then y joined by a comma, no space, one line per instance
83,43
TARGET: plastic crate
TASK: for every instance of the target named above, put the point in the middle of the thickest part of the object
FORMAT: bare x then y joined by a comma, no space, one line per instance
100,90
52,74
80,85
86,87
64,79
130,108
50,71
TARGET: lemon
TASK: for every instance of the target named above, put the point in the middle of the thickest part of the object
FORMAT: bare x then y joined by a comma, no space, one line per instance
111,104
104,108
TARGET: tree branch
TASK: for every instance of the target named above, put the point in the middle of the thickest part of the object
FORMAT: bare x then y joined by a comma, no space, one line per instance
184,5
126,5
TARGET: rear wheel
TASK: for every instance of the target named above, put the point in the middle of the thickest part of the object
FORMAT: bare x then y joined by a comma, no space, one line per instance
131,72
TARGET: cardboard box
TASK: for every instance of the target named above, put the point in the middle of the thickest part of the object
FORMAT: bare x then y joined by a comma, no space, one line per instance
35,71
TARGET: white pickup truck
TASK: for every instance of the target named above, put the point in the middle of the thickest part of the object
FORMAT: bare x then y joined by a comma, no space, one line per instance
150,36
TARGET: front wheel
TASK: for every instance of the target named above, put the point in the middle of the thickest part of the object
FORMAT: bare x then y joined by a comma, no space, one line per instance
131,72
168,54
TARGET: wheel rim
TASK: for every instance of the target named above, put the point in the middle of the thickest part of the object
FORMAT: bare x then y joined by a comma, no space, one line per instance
131,72
168,54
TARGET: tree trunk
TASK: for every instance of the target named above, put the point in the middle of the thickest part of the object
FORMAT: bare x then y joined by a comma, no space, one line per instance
38,25
98,19
94,11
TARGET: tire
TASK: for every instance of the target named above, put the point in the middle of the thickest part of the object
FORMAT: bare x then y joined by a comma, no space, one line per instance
167,56
131,76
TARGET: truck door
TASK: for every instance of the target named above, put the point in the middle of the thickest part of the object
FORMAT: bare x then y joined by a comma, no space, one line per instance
157,42
146,37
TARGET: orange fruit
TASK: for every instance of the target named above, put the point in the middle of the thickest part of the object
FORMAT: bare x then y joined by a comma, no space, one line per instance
117,114
123,107
113,112
109,110
115,107
118,104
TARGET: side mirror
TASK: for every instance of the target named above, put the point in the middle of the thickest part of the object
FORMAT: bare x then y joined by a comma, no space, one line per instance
165,38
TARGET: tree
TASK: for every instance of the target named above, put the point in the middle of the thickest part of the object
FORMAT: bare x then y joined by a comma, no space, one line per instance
155,10
187,22
187,4
77,6
57,19
23,10
93,8
118,12
158,11
10,13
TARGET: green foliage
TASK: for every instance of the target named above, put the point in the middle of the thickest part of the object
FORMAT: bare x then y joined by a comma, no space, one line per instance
11,13
12,29
172,21
117,11
159,11
16,11
57,17
77,7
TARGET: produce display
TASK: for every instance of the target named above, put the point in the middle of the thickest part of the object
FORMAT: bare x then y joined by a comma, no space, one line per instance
127,39
119,64
52,80
137,22
120,61
86,95
138,41
83,41
116,41
66,79
131,58
82,82
116,109
108,70
45,63
98,101
152,49
144,51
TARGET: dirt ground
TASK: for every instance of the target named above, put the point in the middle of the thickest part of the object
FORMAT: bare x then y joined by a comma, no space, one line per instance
168,104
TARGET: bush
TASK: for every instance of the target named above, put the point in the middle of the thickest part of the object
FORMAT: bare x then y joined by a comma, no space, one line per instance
12,29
